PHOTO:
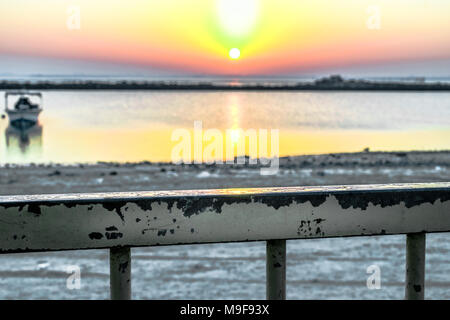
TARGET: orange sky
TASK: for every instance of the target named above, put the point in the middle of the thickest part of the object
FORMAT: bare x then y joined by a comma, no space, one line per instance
197,35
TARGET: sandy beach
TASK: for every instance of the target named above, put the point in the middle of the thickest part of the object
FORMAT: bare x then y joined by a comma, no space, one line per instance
326,169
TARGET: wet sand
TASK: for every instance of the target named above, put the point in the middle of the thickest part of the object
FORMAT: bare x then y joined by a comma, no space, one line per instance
326,169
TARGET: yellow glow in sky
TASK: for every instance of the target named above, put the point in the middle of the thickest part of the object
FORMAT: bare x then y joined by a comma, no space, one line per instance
237,17
197,35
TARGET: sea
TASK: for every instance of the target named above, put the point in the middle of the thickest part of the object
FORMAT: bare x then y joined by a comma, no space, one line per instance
132,126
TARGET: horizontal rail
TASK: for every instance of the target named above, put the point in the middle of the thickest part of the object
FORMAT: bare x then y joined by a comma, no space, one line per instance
104,220
121,220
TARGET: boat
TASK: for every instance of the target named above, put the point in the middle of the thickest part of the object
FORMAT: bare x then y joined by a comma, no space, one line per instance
25,112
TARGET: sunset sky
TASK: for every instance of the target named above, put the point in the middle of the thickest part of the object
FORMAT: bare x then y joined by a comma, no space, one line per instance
196,36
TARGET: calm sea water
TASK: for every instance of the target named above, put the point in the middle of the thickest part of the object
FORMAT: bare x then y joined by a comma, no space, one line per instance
90,126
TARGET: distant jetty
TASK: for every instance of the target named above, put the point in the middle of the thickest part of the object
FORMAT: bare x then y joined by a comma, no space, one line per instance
334,82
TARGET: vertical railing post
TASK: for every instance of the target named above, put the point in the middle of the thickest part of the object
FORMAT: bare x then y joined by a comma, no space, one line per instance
120,273
276,269
415,266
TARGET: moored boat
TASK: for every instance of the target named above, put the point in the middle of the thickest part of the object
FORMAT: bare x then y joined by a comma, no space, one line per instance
25,112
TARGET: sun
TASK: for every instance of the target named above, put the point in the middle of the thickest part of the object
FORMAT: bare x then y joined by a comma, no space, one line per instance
234,53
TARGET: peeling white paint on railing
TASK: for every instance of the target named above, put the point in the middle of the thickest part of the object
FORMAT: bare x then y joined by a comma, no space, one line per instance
82,221
106,220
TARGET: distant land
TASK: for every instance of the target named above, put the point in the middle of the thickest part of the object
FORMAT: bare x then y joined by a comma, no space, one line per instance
333,82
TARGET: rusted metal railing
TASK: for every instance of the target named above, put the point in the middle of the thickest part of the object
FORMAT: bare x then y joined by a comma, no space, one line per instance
119,221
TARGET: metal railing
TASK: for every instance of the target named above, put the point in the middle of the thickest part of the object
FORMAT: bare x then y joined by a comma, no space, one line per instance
119,221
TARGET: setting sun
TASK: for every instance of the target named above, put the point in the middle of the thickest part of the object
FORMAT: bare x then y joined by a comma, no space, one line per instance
234,53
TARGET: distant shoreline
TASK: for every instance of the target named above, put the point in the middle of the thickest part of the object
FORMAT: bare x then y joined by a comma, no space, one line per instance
335,83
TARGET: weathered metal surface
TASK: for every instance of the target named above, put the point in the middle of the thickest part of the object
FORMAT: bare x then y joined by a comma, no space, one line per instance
103,220
276,270
120,273
415,266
